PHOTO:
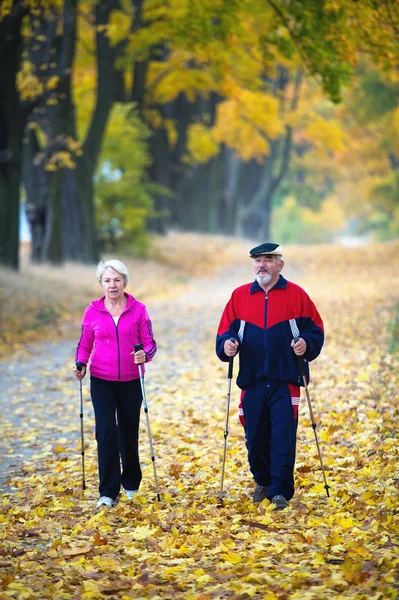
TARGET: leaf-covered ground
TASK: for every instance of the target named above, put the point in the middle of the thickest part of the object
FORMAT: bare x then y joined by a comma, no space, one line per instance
54,545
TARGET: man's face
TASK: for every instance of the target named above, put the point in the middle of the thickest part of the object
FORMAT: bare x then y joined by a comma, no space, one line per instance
267,268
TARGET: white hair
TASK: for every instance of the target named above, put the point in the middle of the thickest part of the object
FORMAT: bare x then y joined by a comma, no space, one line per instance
279,257
116,265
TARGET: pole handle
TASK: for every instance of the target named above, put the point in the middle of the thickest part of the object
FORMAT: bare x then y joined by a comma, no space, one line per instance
80,365
230,373
138,347
231,360
300,359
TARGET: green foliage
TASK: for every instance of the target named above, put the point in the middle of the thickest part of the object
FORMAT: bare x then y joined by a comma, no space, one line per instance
286,222
321,38
394,331
123,194
294,224
373,95
381,225
206,21
307,192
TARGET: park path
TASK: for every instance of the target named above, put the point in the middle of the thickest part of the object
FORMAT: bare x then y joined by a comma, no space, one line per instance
39,398
55,545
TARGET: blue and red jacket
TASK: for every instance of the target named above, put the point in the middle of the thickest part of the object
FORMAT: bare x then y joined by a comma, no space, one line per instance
260,321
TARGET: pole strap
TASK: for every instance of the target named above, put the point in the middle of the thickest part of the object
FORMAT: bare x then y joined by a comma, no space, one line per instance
294,329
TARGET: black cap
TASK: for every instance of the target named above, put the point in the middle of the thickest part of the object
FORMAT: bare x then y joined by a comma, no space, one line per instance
266,248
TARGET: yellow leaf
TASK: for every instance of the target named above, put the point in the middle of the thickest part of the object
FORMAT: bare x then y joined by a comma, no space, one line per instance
370,498
52,82
231,557
203,579
142,533
317,489
59,448
92,590
318,560
345,523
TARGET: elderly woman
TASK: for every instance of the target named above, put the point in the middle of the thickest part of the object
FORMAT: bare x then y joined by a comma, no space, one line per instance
111,326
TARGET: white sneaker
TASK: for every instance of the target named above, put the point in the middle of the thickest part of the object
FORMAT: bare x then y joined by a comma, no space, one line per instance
105,501
130,494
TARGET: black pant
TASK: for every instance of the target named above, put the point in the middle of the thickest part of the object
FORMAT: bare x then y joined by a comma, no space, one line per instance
117,439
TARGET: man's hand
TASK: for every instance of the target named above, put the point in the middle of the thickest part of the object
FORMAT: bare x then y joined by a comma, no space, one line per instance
230,348
299,346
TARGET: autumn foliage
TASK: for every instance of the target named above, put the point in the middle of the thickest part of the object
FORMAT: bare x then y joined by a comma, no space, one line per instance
186,546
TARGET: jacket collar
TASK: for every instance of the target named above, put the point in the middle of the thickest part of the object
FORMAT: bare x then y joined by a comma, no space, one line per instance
281,284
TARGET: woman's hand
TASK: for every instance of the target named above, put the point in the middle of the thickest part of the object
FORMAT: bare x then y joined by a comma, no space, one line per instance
79,374
139,357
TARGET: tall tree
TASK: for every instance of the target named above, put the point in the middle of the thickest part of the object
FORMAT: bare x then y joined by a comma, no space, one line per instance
52,51
13,116
69,165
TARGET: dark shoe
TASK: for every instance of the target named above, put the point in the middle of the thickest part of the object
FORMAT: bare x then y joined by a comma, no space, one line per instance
260,493
280,502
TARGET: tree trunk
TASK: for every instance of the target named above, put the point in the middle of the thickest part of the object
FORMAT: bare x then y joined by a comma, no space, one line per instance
254,216
10,172
13,117
36,193
53,239
159,172
43,188
109,90
69,229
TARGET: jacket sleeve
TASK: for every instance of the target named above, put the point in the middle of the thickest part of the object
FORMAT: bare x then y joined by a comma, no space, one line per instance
227,329
146,335
85,344
311,328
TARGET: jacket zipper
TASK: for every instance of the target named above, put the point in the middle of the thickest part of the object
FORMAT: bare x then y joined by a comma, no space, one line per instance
117,342
266,307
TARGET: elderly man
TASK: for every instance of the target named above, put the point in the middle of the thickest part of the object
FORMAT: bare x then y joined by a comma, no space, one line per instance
273,323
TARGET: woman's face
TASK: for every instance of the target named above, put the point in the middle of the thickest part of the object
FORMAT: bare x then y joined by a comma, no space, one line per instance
112,284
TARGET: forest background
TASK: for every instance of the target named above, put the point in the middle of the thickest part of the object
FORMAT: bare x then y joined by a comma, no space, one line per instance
123,118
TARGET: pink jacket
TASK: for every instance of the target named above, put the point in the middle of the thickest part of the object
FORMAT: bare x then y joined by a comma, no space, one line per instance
110,345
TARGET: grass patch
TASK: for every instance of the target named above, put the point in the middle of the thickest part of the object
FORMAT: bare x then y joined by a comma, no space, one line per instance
393,345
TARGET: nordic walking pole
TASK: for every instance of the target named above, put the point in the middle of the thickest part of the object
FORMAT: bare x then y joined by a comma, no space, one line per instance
314,425
138,347
226,427
79,366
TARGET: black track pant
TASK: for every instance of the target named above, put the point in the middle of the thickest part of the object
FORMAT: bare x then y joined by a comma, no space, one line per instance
117,407
270,431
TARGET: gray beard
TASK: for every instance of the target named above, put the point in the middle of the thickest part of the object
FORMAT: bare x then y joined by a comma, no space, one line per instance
262,279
